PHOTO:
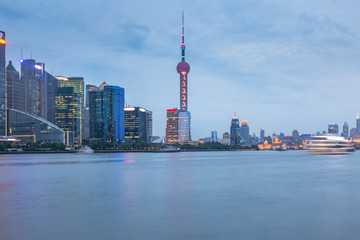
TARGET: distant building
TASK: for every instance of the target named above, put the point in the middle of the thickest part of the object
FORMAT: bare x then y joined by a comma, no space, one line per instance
235,132
214,136
2,84
69,102
226,135
15,89
262,135
333,128
107,115
138,125
345,132
172,126
245,132
358,123
295,138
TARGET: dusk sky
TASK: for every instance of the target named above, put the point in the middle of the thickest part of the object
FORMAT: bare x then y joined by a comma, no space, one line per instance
281,65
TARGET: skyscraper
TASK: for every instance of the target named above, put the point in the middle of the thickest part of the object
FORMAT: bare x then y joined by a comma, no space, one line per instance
214,136
262,135
172,126
15,89
89,88
138,125
244,132
52,84
69,113
3,125
183,68
345,132
235,132
357,123
40,89
106,114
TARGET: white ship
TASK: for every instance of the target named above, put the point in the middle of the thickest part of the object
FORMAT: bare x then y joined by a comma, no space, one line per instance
330,144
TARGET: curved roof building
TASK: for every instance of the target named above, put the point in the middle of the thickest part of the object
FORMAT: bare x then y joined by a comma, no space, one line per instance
31,128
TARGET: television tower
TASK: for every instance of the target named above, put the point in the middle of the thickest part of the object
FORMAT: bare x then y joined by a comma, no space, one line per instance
183,68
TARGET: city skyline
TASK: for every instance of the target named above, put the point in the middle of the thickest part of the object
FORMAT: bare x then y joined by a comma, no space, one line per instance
295,71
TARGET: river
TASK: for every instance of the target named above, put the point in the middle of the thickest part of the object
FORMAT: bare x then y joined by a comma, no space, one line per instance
184,195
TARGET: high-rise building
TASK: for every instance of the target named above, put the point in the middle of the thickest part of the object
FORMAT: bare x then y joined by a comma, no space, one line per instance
52,84
245,132
295,138
138,125
235,132
184,127
226,135
3,120
106,114
357,123
15,89
172,126
89,88
262,135
40,89
214,136
333,128
69,102
183,68
345,132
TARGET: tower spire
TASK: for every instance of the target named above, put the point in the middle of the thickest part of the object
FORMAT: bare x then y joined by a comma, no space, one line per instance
183,39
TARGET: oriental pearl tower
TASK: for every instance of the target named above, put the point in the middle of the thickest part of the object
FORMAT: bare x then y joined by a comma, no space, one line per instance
183,68
184,117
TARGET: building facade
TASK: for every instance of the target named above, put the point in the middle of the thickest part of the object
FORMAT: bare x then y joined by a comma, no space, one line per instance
345,132
3,123
89,88
106,114
235,132
31,128
69,102
245,132
172,126
15,89
138,125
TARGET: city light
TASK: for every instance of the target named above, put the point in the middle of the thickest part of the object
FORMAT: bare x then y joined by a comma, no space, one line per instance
129,109
38,67
2,41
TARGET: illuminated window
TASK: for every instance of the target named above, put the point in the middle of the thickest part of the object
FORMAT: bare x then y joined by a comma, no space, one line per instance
183,104
183,97
183,90
184,83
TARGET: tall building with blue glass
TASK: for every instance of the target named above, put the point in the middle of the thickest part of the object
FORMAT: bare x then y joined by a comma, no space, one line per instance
3,125
106,114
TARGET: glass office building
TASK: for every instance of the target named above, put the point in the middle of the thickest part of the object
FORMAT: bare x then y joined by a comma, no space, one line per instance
138,125
69,102
184,127
106,114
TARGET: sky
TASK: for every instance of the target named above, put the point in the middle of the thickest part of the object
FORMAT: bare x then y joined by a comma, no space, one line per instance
281,65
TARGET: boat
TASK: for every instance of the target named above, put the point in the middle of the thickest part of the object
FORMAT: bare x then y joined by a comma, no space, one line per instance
329,144
85,149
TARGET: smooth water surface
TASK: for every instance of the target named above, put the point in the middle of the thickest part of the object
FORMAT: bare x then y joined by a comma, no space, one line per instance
185,195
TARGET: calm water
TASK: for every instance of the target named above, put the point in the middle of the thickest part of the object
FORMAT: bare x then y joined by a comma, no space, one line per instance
201,195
